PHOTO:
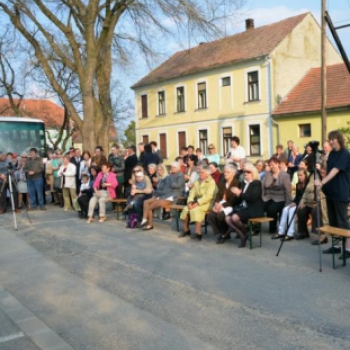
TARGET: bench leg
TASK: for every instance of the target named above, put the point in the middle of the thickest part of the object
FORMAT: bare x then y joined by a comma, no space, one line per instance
250,235
343,250
117,209
333,252
205,225
177,220
260,234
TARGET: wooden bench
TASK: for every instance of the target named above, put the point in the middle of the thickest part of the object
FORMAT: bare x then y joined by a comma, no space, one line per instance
253,221
117,202
336,234
178,209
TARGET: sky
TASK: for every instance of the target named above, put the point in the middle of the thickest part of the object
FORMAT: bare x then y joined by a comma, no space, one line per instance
263,12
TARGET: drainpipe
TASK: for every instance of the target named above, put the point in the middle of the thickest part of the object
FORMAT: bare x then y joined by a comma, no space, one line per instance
269,107
278,130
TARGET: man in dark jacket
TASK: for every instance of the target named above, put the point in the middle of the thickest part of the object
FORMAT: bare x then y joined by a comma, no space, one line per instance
149,157
76,159
34,168
118,164
130,162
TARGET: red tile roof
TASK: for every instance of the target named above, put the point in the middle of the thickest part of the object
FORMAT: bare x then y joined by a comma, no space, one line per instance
247,45
306,96
46,110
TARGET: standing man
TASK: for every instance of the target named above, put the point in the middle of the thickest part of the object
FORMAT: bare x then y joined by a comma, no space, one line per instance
336,187
130,162
236,153
289,150
76,159
118,164
327,148
141,148
156,151
34,168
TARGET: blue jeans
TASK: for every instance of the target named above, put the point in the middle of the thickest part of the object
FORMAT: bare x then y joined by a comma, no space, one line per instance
138,206
36,189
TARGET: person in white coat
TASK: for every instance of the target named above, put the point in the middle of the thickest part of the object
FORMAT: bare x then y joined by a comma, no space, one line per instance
68,171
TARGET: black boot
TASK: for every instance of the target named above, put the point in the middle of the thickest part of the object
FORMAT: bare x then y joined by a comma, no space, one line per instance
166,215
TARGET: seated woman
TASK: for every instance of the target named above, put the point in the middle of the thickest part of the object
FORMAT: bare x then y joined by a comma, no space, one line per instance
145,193
302,165
177,186
225,200
251,203
191,175
86,194
104,189
138,185
287,219
200,200
306,206
162,197
276,192
152,174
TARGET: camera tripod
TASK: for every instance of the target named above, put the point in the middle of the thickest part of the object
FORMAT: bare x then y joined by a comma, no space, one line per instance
314,173
11,182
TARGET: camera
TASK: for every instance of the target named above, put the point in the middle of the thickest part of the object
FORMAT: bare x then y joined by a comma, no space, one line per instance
10,166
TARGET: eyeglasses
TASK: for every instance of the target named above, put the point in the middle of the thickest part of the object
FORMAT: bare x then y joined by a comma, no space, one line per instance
24,157
211,148
247,172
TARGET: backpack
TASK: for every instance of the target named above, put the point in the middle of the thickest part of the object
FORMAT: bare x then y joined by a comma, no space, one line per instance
132,220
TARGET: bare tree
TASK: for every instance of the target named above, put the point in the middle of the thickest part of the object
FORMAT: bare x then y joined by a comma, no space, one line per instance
86,36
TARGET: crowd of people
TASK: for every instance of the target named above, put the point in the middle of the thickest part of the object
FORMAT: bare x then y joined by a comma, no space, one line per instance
282,187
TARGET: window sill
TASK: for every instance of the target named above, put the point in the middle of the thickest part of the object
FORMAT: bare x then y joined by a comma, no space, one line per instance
142,118
254,101
180,112
161,115
201,109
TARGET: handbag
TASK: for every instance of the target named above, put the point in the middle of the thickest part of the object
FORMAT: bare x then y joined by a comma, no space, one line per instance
57,183
237,208
132,220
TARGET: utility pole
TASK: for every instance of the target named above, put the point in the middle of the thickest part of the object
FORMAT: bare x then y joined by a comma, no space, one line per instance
324,71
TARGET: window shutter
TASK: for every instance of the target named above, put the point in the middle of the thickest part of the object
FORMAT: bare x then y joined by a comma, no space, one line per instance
144,106
163,145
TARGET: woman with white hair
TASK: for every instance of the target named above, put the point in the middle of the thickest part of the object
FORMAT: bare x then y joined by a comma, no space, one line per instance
225,200
200,200
251,203
162,197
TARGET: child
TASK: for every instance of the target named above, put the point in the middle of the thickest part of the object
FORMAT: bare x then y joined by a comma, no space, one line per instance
85,186
140,184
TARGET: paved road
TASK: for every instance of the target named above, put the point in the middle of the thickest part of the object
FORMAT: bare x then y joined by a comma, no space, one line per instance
102,286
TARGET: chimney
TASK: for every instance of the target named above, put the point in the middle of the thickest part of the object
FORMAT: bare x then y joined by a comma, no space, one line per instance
249,24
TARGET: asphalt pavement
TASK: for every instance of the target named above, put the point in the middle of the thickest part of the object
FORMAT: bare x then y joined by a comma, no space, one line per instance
102,286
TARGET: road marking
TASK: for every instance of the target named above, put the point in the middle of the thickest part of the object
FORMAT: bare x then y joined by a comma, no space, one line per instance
11,337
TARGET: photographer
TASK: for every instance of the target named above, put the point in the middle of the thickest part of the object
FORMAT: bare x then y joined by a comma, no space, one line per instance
336,186
6,167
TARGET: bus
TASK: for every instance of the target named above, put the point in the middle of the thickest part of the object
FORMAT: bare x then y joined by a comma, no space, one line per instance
19,134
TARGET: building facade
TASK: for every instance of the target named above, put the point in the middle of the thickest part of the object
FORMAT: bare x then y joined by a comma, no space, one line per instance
227,87
298,117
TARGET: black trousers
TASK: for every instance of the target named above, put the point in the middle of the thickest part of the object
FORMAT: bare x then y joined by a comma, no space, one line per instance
3,197
337,213
303,217
272,209
314,218
217,222
84,203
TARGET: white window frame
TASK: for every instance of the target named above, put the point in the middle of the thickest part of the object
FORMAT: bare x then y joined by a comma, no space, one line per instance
177,137
198,139
175,94
222,137
246,72
199,81
167,142
144,93
247,148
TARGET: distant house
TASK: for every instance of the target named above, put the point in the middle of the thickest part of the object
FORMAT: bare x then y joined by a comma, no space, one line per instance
47,111
228,87
299,114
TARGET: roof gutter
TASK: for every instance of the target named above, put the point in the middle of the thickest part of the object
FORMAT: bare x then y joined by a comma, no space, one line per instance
333,109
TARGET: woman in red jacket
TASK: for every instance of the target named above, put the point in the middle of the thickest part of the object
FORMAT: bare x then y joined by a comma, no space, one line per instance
104,189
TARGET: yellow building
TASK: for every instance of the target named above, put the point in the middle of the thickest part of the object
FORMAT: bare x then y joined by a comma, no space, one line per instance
298,117
228,87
